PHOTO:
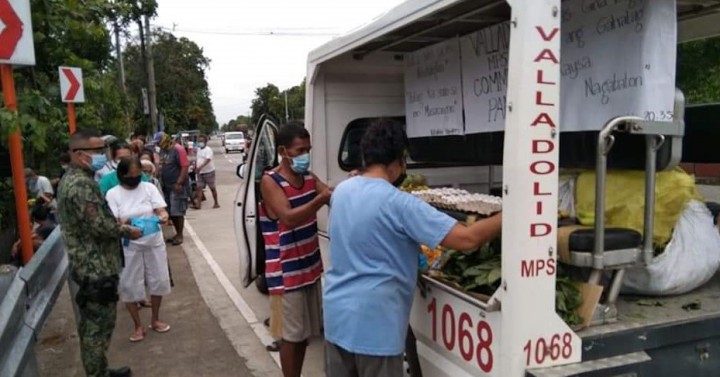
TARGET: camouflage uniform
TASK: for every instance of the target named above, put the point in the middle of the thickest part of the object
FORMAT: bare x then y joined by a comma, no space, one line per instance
92,239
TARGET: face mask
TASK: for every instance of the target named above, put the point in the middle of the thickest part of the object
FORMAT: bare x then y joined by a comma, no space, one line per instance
300,164
131,182
98,162
399,181
64,167
157,149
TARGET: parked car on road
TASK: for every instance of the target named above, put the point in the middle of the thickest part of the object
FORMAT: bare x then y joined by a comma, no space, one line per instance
235,142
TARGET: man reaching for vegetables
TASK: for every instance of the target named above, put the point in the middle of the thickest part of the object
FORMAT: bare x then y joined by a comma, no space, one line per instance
375,231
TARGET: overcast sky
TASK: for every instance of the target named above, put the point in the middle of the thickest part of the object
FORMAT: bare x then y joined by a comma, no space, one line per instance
241,63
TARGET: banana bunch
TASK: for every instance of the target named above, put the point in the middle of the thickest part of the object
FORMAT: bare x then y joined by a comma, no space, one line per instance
414,182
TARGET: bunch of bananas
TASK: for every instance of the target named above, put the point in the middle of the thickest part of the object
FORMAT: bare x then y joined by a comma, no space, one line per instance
414,182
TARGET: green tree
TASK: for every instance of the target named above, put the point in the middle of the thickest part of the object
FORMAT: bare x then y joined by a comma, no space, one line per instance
241,123
270,100
72,33
698,72
183,96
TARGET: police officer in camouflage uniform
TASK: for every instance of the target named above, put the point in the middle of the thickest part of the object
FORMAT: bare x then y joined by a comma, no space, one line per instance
92,238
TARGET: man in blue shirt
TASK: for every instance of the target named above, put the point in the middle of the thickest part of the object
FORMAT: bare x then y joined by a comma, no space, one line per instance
375,232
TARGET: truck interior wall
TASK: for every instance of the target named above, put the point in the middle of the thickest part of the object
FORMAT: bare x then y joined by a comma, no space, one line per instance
374,87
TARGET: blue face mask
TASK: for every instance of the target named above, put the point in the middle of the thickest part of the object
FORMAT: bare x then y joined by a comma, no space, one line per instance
300,164
98,162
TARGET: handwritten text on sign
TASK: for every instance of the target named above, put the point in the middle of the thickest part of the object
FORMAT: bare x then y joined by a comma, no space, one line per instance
618,58
433,99
485,74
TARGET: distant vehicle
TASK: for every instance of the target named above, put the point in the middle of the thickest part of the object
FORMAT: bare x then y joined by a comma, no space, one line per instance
235,141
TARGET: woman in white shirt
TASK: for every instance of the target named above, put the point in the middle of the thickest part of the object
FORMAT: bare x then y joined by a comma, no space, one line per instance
146,263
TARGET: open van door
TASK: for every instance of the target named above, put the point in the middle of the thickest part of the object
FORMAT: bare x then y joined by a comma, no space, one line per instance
262,156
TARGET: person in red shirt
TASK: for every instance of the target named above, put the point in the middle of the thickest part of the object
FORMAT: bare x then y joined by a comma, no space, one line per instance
174,181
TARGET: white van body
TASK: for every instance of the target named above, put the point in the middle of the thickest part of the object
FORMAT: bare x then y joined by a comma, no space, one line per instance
361,76
234,142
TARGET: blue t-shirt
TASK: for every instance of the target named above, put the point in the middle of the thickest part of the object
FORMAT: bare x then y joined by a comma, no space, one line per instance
375,232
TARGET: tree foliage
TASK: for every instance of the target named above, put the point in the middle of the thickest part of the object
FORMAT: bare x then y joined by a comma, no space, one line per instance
241,123
183,96
270,100
71,33
698,73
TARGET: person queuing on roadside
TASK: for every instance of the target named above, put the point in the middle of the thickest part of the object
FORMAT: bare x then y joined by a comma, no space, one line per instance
138,135
292,195
119,151
110,180
113,144
40,216
206,173
376,230
146,260
174,181
41,229
92,240
149,171
64,163
40,188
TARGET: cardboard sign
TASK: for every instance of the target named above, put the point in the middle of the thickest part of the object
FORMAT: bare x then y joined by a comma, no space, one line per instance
433,96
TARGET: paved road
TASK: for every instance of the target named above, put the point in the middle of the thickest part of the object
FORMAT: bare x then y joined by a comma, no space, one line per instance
195,346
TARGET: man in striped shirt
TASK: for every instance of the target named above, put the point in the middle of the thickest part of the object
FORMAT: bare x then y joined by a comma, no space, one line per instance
291,197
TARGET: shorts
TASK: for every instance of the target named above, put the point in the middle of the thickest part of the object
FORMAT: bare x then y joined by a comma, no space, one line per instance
177,203
145,266
342,363
296,316
206,179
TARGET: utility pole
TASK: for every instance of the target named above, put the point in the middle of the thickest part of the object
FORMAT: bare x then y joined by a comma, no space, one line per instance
287,114
151,76
118,53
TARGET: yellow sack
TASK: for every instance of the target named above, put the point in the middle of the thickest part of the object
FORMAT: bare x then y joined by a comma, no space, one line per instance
625,200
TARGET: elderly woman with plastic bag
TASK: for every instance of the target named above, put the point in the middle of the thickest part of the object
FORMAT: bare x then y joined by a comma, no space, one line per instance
146,263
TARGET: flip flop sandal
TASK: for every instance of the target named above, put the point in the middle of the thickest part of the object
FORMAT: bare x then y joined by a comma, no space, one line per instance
160,330
273,347
177,242
134,338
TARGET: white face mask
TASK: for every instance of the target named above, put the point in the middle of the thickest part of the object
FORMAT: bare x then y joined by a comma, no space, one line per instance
157,149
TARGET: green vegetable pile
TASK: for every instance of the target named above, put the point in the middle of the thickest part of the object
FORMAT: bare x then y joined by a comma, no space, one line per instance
480,272
568,300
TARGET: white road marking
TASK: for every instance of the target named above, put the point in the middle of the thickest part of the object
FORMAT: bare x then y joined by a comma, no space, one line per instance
258,327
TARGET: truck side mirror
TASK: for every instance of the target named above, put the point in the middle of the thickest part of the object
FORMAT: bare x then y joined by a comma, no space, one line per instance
241,170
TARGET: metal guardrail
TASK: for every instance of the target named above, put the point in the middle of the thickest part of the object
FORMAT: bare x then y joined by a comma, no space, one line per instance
27,297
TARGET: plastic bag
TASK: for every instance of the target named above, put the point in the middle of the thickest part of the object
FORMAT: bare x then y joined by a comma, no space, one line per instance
625,200
690,259
149,225
566,195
